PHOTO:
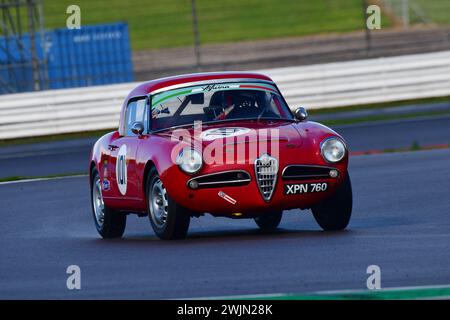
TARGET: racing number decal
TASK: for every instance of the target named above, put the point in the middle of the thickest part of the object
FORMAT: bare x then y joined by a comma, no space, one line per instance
121,169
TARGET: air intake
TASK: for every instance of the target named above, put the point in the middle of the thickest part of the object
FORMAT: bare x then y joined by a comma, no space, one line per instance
266,170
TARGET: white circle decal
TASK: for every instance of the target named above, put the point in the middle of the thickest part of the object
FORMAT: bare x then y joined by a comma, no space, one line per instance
121,169
218,133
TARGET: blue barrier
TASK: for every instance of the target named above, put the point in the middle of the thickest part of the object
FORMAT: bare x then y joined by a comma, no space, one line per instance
16,72
92,55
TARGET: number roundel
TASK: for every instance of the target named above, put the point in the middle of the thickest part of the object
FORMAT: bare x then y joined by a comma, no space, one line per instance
121,169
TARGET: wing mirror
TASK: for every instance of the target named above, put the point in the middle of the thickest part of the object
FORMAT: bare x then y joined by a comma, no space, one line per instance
301,114
137,128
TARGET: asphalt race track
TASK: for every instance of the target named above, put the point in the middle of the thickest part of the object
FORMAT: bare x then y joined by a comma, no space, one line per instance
71,157
401,222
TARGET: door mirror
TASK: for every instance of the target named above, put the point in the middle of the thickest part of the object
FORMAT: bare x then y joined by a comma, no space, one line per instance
137,128
301,114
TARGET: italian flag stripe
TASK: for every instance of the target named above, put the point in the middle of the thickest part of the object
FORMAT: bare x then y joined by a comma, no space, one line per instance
249,86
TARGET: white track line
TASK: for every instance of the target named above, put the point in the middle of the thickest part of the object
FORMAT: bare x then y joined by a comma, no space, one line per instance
41,179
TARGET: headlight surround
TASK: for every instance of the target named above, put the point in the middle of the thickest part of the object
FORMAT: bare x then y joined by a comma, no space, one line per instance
333,149
189,160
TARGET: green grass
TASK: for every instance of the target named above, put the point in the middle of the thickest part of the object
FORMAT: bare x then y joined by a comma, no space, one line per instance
376,118
415,146
168,23
382,117
403,103
382,294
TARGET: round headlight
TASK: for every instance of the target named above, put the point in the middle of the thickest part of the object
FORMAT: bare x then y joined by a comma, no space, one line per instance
189,160
333,150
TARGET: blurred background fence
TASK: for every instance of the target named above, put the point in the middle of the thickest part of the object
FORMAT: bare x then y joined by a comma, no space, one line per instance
92,55
63,58
412,12
163,37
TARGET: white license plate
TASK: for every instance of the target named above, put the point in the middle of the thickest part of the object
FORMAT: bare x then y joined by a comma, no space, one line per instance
301,188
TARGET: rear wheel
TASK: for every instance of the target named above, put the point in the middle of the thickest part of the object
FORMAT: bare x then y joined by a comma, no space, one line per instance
109,223
270,221
168,219
335,212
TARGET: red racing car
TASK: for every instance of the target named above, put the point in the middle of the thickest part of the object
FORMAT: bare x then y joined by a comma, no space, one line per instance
224,143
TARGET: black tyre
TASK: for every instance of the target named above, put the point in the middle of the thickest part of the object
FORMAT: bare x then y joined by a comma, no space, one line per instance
334,213
109,223
270,221
169,220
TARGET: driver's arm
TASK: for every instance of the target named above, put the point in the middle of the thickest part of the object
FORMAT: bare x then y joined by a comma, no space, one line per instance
223,115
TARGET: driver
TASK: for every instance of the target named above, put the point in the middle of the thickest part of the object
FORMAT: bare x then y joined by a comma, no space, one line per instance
229,106
246,106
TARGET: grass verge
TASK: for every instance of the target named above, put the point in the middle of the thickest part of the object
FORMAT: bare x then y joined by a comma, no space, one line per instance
377,118
404,103
382,294
415,146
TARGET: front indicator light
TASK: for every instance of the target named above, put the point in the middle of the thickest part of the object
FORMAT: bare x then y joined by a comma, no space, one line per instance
193,184
334,173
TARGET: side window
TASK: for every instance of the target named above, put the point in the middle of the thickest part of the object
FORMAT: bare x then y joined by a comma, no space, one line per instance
136,111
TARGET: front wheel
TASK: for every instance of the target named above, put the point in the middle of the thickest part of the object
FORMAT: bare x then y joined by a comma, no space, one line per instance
168,219
109,223
334,213
270,221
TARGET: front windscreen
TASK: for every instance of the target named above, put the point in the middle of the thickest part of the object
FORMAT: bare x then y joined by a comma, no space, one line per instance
217,102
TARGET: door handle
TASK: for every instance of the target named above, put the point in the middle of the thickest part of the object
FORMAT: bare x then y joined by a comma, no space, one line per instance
112,147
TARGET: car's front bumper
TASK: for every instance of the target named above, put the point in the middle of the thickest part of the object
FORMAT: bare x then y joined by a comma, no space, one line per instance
246,200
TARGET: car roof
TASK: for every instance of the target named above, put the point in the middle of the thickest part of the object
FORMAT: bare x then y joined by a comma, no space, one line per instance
168,82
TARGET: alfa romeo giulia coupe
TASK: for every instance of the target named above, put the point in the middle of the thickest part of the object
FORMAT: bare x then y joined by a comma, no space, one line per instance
223,143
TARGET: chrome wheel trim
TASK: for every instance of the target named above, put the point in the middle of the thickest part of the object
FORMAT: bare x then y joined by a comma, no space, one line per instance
97,202
158,203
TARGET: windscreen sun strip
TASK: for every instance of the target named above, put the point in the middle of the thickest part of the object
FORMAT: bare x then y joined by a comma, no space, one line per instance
167,95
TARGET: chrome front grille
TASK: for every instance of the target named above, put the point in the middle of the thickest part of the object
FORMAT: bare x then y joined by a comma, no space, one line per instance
266,171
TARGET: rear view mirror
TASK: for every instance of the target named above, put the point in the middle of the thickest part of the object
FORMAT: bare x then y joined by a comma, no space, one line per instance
198,98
